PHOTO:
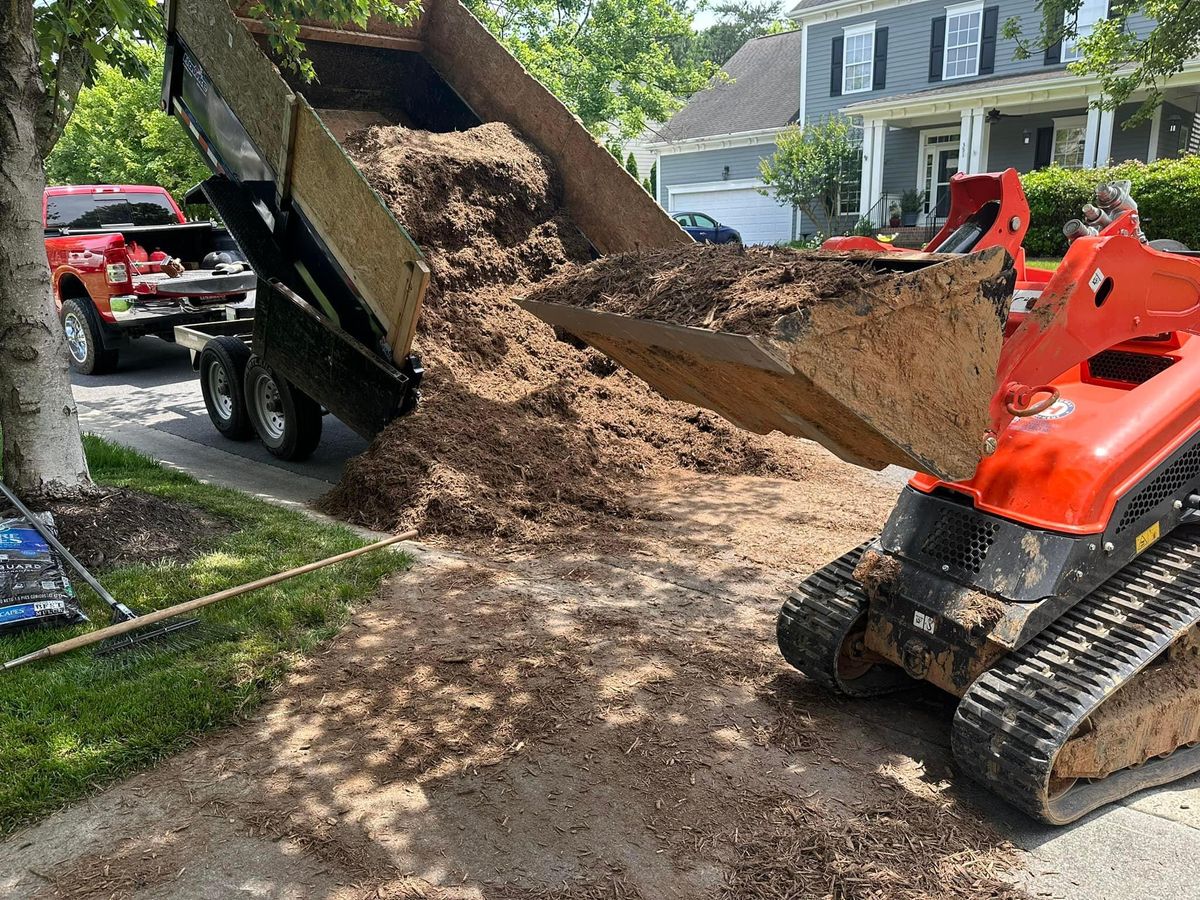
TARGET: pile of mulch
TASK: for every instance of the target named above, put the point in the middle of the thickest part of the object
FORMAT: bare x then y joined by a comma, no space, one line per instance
722,287
120,527
520,436
484,205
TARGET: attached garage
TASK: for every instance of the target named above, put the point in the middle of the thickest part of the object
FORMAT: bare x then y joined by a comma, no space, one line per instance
759,219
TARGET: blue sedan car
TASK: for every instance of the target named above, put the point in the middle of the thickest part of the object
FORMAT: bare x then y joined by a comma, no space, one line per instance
705,229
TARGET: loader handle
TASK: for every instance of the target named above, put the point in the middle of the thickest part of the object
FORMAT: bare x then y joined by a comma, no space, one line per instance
1018,404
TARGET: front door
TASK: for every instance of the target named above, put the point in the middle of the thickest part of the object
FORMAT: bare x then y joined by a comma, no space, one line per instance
940,162
947,165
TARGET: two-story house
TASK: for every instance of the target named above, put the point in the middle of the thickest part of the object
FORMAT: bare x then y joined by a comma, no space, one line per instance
938,89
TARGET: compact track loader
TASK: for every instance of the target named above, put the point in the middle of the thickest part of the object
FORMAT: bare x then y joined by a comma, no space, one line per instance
1056,589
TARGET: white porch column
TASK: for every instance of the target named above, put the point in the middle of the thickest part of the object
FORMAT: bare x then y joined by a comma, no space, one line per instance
1097,146
972,142
871,185
1155,134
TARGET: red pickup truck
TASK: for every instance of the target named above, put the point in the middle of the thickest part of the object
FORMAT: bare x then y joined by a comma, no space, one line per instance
126,263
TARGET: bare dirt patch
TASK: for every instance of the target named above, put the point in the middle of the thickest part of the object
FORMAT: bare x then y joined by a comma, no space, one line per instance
570,724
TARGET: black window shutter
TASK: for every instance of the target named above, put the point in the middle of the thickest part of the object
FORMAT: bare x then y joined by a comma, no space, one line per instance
1043,151
937,48
879,78
1053,55
987,44
835,68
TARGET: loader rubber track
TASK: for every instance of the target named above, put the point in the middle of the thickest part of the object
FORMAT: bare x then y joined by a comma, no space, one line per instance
1014,719
815,621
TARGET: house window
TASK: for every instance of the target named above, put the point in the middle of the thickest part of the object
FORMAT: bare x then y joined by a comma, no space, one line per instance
858,59
1090,12
963,27
1070,135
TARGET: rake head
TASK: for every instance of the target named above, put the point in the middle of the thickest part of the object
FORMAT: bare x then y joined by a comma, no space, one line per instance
169,637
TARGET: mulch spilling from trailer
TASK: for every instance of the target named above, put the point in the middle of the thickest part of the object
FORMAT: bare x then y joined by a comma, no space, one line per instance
520,436
120,527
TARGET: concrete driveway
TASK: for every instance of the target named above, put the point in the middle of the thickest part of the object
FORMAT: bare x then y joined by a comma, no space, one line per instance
153,404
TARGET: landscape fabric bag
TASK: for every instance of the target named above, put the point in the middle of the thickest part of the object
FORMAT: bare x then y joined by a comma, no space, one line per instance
34,589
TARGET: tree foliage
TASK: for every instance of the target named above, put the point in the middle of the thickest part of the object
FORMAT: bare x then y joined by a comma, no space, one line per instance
737,21
811,167
1122,58
610,61
117,134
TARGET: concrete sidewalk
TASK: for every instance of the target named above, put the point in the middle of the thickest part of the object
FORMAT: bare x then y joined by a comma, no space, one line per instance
153,404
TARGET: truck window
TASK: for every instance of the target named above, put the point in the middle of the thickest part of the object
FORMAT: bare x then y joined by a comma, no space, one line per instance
106,210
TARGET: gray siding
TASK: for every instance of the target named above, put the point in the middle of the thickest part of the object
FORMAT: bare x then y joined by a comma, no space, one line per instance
1130,142
900,160
909,31
1172,145
708,165
1007,147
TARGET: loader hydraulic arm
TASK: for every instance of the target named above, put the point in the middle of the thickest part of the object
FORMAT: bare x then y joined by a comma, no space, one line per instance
1109,289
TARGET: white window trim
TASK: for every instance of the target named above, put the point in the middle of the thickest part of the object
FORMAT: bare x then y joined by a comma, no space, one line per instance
1094,12
1062,123
854,31
960,9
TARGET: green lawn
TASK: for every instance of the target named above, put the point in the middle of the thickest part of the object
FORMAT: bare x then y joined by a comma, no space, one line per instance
70,725
1050,264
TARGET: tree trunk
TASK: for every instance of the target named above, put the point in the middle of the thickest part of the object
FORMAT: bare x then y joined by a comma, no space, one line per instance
42,449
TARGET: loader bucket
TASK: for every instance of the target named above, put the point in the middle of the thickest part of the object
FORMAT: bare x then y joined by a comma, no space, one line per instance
900,371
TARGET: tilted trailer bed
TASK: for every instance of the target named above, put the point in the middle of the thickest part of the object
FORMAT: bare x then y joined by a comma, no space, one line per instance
340,282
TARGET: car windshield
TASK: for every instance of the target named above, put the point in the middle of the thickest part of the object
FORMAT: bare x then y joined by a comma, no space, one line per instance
108,210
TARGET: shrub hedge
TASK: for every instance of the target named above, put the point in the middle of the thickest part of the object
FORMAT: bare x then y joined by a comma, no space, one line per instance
1167,193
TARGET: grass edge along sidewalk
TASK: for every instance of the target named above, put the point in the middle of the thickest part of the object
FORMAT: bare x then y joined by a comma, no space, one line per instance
71,726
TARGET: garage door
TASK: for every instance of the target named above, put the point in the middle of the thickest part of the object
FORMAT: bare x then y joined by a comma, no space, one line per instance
759,219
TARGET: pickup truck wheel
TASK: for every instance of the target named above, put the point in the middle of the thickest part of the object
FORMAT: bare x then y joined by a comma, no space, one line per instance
287,420
222,382
85,346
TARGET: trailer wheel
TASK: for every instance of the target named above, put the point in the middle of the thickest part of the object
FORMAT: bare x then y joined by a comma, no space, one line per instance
287,420
222,382
85,343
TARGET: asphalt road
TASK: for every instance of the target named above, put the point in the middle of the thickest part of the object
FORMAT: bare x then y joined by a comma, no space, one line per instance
153,404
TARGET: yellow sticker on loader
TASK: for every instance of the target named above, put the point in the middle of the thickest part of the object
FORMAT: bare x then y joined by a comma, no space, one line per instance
1146,538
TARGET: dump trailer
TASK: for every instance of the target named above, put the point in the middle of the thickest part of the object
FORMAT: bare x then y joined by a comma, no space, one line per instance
340,282
1053,584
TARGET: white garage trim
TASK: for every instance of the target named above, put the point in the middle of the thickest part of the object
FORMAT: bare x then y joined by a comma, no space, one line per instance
703,187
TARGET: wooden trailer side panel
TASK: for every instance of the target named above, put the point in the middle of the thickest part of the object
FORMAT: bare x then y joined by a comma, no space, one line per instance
604,200
370,245
385,266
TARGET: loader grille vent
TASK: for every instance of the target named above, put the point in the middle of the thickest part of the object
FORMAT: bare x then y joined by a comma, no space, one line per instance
1166,484
961,539
1130,368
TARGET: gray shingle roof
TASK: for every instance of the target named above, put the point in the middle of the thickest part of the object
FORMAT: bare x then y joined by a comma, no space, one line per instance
764,92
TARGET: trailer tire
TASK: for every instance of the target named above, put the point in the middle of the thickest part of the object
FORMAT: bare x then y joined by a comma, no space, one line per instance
84,335
287,420
223,383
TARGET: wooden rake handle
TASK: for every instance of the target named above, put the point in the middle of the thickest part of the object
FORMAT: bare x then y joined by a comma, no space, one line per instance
94,637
